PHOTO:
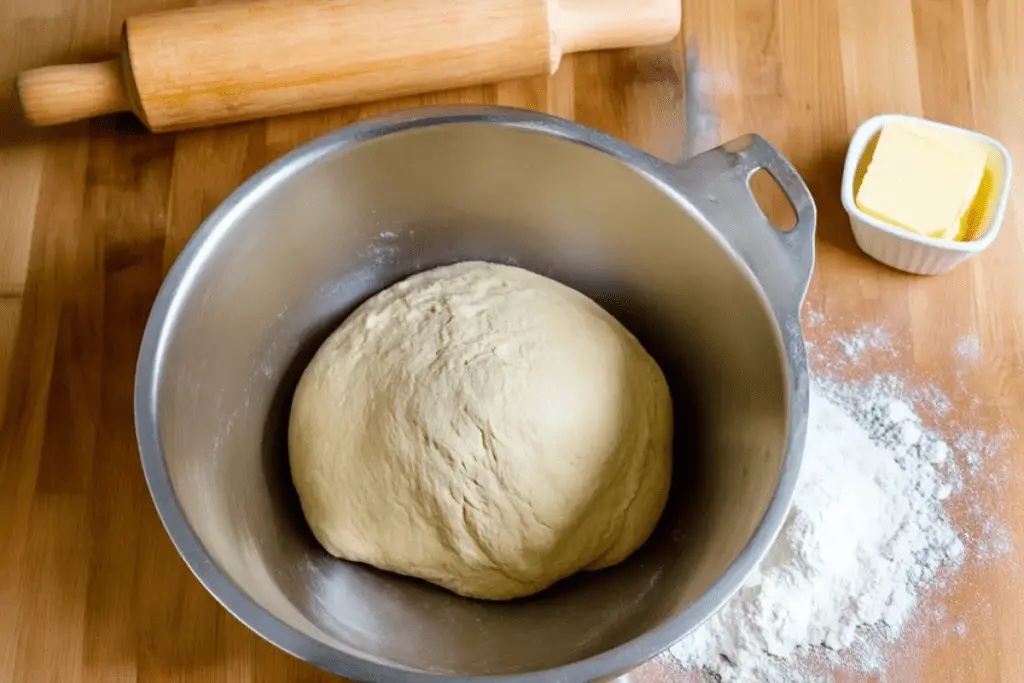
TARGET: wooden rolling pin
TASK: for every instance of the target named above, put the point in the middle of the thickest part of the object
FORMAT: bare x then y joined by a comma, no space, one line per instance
216,64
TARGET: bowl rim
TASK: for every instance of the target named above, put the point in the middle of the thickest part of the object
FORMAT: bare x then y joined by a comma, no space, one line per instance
858,145
609,663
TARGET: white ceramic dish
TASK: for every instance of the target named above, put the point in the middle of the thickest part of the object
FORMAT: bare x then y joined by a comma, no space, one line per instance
907,251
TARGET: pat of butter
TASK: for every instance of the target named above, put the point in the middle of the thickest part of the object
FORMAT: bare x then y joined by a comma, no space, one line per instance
922,181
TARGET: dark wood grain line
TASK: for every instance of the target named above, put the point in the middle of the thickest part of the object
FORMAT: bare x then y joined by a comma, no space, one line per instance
73,412
22,429
126,203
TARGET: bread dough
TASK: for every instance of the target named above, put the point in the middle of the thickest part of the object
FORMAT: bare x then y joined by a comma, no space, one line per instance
483,428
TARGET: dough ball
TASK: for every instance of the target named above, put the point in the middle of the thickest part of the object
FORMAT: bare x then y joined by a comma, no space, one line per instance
483,428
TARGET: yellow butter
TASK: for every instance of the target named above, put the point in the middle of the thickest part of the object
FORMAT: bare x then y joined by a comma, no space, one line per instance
922,181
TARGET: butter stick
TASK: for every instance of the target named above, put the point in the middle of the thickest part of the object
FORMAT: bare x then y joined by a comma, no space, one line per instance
922,182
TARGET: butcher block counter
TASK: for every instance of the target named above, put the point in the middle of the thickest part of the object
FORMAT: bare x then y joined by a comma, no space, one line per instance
93,214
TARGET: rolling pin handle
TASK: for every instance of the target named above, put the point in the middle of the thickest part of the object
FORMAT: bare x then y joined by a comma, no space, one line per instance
581,25
52,95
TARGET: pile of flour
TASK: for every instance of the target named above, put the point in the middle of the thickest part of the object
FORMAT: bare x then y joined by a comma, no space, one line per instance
867,530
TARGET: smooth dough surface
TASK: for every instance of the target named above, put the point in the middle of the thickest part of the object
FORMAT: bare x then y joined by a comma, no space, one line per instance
483,428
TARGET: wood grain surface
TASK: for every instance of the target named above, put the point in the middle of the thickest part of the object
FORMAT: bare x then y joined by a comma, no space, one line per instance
92,215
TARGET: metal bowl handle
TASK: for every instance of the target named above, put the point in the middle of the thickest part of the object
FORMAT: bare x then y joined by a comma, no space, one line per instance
717,182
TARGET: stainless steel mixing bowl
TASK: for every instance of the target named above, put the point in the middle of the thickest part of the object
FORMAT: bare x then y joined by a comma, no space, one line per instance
679,253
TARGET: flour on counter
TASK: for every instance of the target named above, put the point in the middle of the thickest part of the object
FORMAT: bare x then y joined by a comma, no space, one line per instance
866,531
968,350
869,338
869,535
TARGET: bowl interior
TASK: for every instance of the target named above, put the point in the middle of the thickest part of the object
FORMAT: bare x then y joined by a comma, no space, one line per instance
279,271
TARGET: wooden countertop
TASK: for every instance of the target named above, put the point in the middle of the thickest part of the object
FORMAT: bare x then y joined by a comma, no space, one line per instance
91,216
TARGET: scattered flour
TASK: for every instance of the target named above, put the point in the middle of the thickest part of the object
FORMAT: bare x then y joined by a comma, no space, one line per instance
866,532
981,447
870,338
813,317
968,350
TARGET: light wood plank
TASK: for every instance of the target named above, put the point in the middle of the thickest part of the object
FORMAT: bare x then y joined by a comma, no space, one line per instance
51,602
